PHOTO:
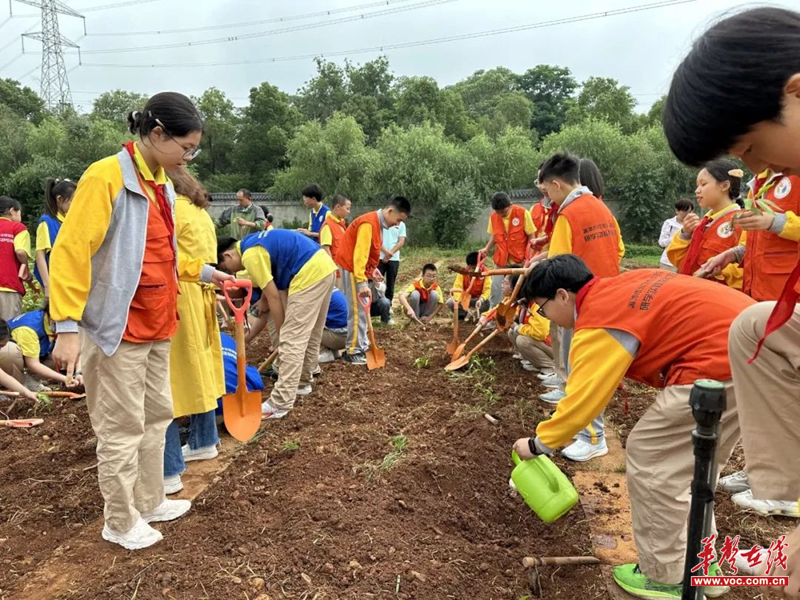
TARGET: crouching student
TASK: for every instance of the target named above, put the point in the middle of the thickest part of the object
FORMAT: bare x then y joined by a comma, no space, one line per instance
281,261
478,289
358,256
11,375
619,332
34,337
334,336
530,335
381,305
422,299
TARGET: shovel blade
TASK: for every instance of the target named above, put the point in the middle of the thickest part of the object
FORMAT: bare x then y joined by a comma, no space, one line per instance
459,351
376,358
457,364
23,423
242,414
452,347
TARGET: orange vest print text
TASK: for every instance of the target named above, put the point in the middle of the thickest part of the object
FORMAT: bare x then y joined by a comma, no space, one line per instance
600,230
647,290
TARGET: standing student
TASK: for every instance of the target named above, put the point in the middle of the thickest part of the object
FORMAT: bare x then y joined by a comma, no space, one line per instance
359,255
539,214
296,278
422,299
718,187
511,230
585,227
317,211
671,226
243,219
114,271
330,236
394,238
478,288
619,332
15,250
195,361
57,199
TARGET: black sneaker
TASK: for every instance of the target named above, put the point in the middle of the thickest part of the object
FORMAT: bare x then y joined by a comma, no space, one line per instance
359,358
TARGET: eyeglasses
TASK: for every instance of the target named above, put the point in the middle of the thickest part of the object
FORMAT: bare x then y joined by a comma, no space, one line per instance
540,310
188,153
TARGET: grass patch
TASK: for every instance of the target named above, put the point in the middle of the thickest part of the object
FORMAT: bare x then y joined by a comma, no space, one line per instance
375,470
423,362
290,446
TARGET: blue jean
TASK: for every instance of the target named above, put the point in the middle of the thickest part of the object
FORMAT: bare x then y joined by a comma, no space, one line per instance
202,433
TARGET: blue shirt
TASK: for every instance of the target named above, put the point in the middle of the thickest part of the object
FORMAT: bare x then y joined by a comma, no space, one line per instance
315,222
391,236
337,311
288,251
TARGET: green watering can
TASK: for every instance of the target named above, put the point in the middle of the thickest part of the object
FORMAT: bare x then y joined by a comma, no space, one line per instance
544,487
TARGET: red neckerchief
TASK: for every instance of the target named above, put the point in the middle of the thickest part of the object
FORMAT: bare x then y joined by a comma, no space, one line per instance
691,262
579,298
424,293
161,197
784,308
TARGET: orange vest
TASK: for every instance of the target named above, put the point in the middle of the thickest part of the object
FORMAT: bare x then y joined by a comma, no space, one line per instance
681,323
337,232
539,214
595,235
512,243
424,293
153,314
722,235
473,285
347,245
769,258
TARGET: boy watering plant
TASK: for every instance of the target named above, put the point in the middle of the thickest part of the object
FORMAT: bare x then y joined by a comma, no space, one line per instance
619,332
758,121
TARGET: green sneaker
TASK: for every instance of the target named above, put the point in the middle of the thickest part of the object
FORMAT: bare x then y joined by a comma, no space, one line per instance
636,583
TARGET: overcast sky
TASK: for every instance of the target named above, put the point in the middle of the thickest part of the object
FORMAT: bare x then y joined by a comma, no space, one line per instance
640,49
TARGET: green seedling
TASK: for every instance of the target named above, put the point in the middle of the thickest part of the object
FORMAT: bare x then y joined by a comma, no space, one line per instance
291,446
423,362
43,402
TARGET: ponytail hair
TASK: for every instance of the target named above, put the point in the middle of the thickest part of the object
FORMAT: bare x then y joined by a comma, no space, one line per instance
724,169
53,188
186,185
174,113
7,204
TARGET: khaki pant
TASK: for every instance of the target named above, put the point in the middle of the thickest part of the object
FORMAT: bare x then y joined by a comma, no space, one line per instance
300,337
536,352
12,362
10,305
334,339
769,401
130,406
659,472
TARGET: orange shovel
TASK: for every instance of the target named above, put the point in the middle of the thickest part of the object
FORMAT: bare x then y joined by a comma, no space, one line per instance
376,357
22,423
70,395
481,324
464,360
453,345
242,409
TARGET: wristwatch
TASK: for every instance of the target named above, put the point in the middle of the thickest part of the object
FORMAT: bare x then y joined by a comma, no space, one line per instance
532,446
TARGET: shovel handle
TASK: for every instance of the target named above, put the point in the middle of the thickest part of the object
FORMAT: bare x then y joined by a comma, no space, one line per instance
536,561
365,302
238,284
268,361
482,343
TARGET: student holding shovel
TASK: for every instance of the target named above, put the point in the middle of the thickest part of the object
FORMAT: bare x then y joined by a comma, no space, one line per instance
195,362
758,121
287,262
115,272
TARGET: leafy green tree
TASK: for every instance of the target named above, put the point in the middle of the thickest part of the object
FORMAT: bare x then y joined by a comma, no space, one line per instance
22,100
605,99
420,100
482,90
325,93
14,131
220,127
115,105
550,89
505,163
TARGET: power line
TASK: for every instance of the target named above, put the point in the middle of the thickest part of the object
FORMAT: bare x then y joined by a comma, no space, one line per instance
258,34
383,48
321,13
116,5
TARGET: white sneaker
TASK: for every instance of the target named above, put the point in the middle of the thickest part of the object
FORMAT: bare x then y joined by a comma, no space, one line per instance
552,397
326,356
204,453
546,375
553,382
528,366
766,508
168,510
140,536
735,484
741,564
316,372
581,451
516,356
391,323
270,412
172,485
305,390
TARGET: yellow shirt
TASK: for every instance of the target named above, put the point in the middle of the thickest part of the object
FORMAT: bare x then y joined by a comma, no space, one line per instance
732,275
458,287
537,327
361,252
410,289
530,228
257,262
599,364
28,340
22,242
561,240
85,229
791,231
43,235
325,235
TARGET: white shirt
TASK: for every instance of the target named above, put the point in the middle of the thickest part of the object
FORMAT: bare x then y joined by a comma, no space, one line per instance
668,231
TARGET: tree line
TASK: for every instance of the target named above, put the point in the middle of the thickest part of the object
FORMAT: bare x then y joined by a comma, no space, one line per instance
359,130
